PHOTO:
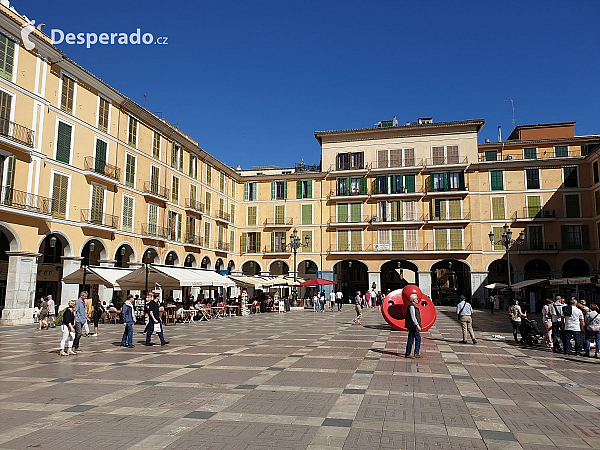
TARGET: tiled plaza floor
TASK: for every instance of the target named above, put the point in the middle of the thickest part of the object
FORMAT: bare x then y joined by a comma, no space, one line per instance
294,381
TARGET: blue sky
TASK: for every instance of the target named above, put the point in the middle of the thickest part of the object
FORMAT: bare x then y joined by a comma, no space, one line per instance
252,81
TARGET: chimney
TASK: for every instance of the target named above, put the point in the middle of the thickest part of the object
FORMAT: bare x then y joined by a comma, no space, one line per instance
499,133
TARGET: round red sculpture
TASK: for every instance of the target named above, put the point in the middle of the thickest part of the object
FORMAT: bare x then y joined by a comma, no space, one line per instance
395,305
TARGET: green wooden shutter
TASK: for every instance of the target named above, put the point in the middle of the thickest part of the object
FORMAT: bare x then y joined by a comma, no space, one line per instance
496,180
178,217
342,213
348,186
244,242
530,153
363,186
130,170
246,191
273,190
310,189
491,155
431,181
127,213
397,240
355,209
306,214
97,209
561,151
497,235
174,155
585,237
409,183
100,162
456,239
441,238
564,237
258,246
180,159
7,56
342,241
498,210
191,167
63,142
169,222
534,206
298,189
461,181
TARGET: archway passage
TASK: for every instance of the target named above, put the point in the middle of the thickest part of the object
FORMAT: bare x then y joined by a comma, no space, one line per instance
150,256
205,263
231,265
450,278
190,261
498,272
4,247
397,273
251,268
351,276
172,259
124,255
536,268
307,269
279,268
219,265
575,267
92,253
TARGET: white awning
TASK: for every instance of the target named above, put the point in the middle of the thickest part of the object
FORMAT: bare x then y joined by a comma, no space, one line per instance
496,286
172,277
522,284
216,278
574,280
106,276
246,281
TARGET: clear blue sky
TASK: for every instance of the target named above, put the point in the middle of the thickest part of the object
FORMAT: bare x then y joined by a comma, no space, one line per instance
252,80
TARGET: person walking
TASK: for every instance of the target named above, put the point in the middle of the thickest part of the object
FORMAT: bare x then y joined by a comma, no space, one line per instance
464,312
316,302
128,321
322,301
572,324
43,315
592,329
547,320
98,311
89,310
80,318
358,308
339,299
154,321
51,311
515,313
555,311
413,325
68,330
331,300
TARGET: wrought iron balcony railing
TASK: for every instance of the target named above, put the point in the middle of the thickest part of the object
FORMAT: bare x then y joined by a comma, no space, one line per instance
449,217
348,219
16,132
94,217
222,215
447,247
446,161
26,201
394,163
221,245
405,218
193,239
376,189
156,190
279,221
277,249
194,205
534,213
153,230
100,167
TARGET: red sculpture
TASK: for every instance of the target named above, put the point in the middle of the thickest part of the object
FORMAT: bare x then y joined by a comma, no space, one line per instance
395,305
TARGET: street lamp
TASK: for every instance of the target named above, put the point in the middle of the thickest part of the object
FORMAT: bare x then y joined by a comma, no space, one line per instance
146,256
295,244
506,240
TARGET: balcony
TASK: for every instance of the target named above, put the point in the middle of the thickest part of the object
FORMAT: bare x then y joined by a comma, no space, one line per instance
250,248
453,218
277,250
376,192
222,216
348,193
98,219
407,163
221,246
356,247
448,162
278,222
538,247
460,189
348,168
518,155
97,168
349,221
448,247
152,230
16,133
192,240
153,190
194,206
24,201
393,247
534,214
406,220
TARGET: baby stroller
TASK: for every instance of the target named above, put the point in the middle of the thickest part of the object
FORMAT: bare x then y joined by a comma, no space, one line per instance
530,331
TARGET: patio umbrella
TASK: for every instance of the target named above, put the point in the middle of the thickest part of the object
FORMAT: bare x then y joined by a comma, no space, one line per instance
317,282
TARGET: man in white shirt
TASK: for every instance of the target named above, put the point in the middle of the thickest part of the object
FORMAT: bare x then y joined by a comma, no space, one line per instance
464,311
557,332
51,311
572,325
331,300
339,297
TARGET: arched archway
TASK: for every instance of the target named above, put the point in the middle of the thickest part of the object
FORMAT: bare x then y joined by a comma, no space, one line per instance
576,267
172,258
190,261
219,265
307,269
498,271
151,256
279,267
124,255
251,268
397,273
231,265
206,264
449,279
536,268
351,276
53,247
93,251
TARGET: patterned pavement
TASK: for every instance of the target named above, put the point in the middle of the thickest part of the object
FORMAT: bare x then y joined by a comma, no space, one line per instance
294,381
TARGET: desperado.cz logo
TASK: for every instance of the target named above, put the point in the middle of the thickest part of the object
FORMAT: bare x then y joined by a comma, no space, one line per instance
58,37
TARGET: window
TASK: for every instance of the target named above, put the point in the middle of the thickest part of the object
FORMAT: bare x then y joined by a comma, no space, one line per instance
447,209
5,109
572,207
448,239
221,237
349,240
355,240
100,158
221,208
398,239
130,171
570,176
410,239
278,241
127,213
342,212
154,177
437,155
252,216
497,180
534,206
175,190
491,155
250,242
596,172
535,237
586,149
351,186
208,202
303,235
209,175
232,241
176,157
279,214
7,57
63,142
345,161
575,237
152,219
190,231
304,189
10,179
103,111
193,169
67,94
307,218
409,157
532,178
561,151
355,212
60,193
597,199
133,131
343,187
233,184
221,182
251,192
207,234
498,231
498,209
409,183
530,153
447,181
97,205
343,244
232,214
174,226
278,190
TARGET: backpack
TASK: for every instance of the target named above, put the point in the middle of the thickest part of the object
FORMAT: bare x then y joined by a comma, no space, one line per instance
567,310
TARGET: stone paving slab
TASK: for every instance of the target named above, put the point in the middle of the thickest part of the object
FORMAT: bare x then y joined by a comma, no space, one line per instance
299,380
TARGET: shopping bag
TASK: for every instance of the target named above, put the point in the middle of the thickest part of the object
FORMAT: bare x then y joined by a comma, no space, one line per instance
157,327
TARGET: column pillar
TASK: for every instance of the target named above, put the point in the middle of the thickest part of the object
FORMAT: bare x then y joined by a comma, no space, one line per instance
20,288
105,294
479,294
375,277
69,291
425,282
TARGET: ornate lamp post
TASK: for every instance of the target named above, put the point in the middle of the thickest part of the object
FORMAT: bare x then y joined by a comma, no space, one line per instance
295,244
506,240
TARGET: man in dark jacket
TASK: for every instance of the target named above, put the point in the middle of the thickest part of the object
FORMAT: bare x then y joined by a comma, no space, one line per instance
154,321
128,321
413,325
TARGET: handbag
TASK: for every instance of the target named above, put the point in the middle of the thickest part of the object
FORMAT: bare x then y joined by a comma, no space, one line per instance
157,327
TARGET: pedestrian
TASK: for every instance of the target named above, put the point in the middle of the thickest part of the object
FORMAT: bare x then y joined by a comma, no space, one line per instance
51,311
154,321
368,299
43,315
331,300
515,313
592,329
128,321
80,318
464,312
322,301
89,310
413,325
583,307
556,310
68,330
547,321
572,324
316,302
287,303
373,299
98,311
379,299
358,308
339,298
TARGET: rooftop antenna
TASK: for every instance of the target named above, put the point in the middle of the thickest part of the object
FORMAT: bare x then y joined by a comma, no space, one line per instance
512,105
144,100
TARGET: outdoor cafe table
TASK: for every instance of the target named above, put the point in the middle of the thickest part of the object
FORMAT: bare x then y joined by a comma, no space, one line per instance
218,312
188,315
232,308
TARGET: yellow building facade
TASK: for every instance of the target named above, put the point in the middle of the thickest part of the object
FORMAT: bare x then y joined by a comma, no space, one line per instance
90,177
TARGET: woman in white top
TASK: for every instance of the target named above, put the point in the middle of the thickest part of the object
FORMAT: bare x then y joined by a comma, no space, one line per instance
547,320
